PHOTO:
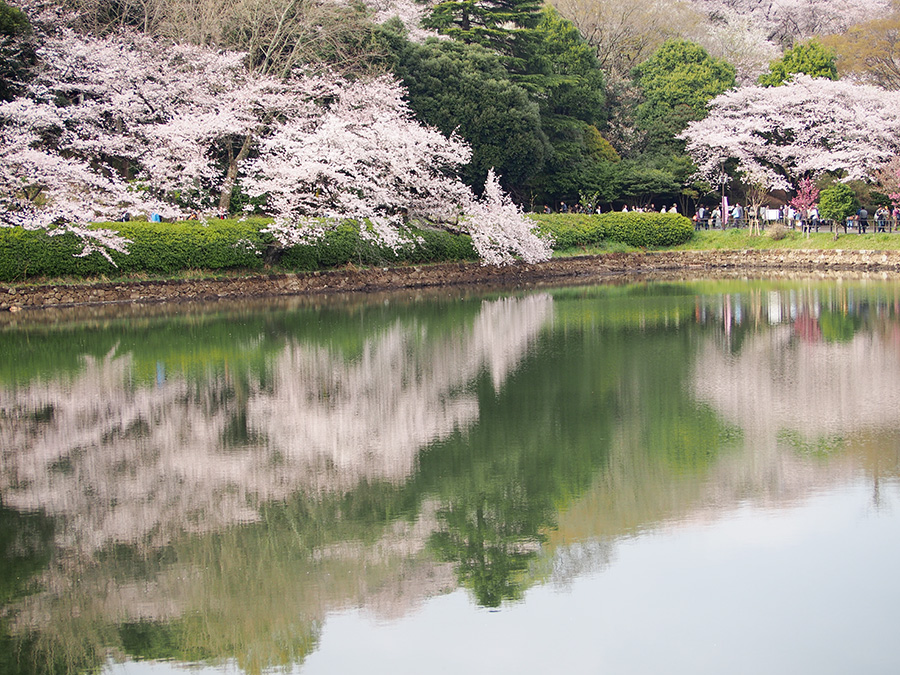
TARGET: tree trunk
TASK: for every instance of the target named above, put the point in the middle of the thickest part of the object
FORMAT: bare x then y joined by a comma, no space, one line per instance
234,162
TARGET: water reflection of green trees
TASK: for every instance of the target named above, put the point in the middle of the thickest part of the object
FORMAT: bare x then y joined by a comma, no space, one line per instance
614,363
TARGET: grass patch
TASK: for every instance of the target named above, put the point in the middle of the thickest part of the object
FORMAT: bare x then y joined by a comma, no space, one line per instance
739,239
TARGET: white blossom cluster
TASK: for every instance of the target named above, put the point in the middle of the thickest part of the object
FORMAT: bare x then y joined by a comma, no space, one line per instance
808,126
798,19
126,123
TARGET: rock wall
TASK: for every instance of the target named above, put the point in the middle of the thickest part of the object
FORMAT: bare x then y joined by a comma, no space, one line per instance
578,269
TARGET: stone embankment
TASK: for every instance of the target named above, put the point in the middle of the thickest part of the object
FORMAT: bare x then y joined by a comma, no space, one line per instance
580,269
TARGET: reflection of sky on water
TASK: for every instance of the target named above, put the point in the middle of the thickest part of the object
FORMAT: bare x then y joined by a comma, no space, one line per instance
786,590
759,590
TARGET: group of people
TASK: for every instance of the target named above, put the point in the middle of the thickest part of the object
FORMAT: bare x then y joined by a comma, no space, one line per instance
650,209
886,220
580,208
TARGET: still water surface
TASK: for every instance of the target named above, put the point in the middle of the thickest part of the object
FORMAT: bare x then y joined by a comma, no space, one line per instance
696,477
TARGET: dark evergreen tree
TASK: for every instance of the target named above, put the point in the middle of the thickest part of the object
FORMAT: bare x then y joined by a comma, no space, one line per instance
676,83
465,88
16,50
506,26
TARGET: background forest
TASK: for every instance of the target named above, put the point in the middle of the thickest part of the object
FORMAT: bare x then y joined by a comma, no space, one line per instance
587,102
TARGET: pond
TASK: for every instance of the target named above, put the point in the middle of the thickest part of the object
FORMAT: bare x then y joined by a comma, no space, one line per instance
682,477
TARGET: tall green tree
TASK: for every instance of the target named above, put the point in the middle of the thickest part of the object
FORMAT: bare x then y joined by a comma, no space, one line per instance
811,58
568,83
465,89
16,50
506,26
676,83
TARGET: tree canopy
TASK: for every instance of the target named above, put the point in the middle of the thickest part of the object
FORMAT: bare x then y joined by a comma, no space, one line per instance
870,50
810,58
777,135
506,26
465,88
676,83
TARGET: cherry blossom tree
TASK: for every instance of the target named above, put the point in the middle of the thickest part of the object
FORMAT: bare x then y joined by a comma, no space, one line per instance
365,158
788,20
44,191
741,41
360,156
499,229
128,123
887,178
806,127
807,195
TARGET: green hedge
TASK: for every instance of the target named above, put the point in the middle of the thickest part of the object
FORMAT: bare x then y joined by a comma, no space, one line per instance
645,230
344,245
167,248
157,248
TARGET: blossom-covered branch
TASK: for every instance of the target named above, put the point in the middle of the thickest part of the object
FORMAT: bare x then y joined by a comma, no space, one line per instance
806,127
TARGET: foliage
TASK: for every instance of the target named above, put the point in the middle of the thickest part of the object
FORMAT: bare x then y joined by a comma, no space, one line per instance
565,72
569,86
13,21
159,248
461,88
16,51
869,51
810,58
677,82
645,230
169,248
837,202
343,244
640,181
505,26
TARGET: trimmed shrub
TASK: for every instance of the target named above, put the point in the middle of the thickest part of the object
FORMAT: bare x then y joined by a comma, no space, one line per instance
168,248
165,248
569,230
645,230
27,253
344,245
156,248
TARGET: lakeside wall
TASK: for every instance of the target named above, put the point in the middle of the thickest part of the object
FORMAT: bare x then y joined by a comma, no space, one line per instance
577,269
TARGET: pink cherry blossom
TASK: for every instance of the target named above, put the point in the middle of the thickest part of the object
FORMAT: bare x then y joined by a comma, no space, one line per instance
805,128
127,123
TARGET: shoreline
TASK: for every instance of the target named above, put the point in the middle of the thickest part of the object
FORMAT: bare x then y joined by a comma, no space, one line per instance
577,269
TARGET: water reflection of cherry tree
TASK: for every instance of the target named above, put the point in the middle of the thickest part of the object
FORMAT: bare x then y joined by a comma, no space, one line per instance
147,481
123,463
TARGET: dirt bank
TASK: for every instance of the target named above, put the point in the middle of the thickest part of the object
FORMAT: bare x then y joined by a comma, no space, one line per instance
584,269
